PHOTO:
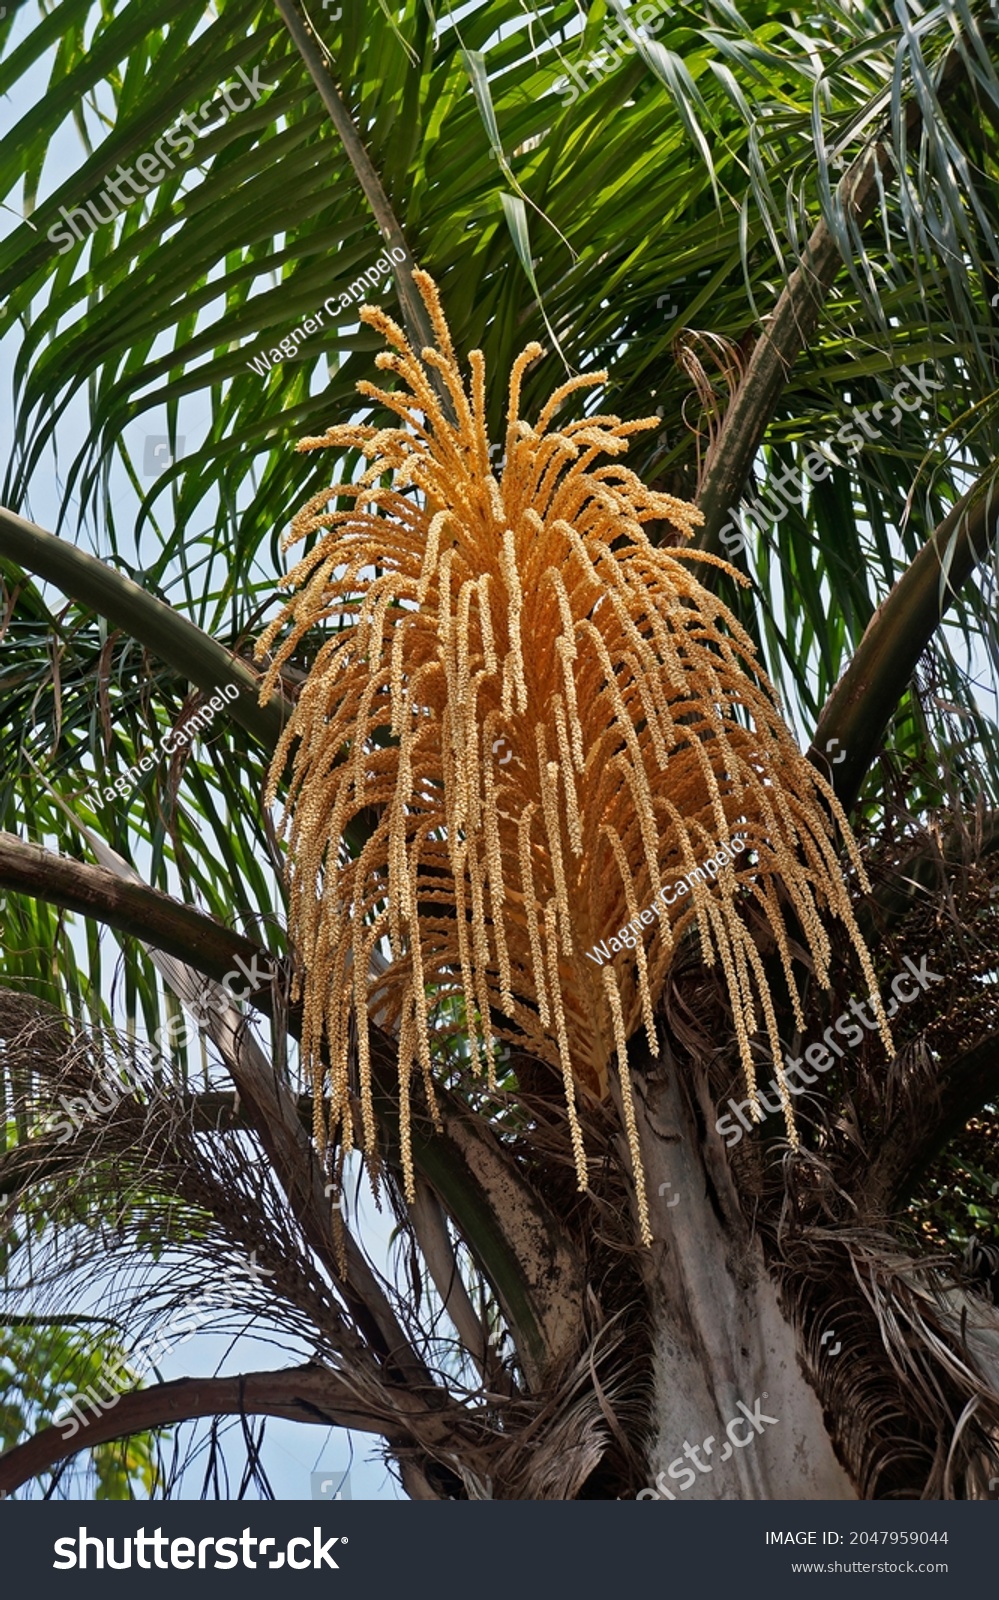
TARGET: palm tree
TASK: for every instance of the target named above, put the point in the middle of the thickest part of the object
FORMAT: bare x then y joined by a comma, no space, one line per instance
775,232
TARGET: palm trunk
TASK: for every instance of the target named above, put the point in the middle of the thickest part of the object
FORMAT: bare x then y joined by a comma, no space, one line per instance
734,1414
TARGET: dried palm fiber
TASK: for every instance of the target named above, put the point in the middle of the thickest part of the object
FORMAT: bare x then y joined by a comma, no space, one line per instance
574,722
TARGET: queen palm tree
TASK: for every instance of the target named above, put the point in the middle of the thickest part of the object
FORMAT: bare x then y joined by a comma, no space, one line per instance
771,234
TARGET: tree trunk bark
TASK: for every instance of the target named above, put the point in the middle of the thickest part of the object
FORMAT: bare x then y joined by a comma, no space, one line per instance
734,1415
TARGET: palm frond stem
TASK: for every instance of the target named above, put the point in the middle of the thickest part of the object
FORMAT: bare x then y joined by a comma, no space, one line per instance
861,705
177,640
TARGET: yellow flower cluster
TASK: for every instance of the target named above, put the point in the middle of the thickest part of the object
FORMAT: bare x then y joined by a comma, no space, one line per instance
530,613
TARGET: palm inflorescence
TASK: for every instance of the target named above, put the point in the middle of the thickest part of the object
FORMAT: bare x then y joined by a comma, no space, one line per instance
550,719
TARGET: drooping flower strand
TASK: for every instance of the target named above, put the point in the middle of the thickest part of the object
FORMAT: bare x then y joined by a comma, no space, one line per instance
555,725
